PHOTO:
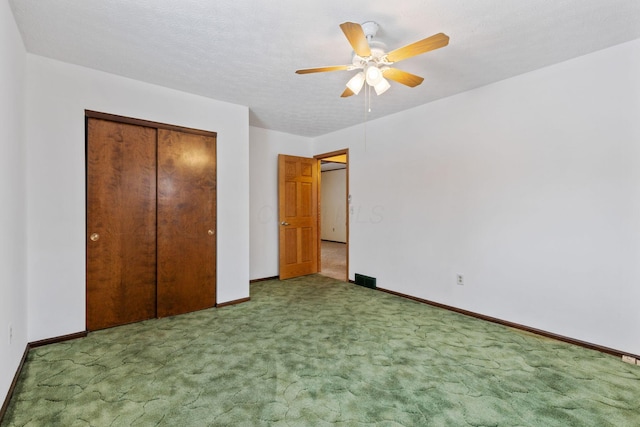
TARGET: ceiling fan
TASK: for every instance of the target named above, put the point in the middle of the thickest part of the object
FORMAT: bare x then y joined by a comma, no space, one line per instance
374,64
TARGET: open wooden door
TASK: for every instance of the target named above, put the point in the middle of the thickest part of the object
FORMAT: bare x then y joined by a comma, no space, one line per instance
298,215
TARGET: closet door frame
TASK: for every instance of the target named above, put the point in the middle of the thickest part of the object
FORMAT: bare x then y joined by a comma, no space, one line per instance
147,123
90,114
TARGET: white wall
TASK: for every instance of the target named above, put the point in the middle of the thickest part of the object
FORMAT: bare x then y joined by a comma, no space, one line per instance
334,205
57,96
530,187
13,248
265,147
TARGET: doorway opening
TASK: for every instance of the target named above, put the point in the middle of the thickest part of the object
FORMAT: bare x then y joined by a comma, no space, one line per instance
333,214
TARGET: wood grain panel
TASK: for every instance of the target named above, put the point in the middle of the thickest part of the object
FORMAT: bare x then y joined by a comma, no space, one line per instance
306,244
186,213
291,246
291,169
306,199
121,209
291,197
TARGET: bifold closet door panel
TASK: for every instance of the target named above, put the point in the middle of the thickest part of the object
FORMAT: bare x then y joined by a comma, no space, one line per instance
186,272
121,223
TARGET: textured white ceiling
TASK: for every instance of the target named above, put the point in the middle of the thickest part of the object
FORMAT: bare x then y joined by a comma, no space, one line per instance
246,52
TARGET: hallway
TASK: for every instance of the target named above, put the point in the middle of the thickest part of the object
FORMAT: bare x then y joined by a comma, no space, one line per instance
334,260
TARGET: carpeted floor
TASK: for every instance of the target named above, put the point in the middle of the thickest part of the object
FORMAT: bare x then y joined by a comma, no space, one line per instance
315,351
334,260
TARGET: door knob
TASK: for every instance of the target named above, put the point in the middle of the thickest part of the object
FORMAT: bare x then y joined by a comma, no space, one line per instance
94,237
284,223
210,232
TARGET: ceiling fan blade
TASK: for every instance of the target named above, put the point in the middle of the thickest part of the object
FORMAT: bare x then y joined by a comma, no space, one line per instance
425,45
347,92
323,69
356,38
403,77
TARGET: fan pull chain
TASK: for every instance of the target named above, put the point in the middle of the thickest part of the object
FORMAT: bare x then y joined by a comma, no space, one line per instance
366,116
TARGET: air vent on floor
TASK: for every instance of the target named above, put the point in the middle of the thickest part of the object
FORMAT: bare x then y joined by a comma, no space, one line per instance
366,281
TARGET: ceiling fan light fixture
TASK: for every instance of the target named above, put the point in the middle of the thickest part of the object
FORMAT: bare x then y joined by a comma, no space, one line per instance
356,82
382,86
373,74
372,58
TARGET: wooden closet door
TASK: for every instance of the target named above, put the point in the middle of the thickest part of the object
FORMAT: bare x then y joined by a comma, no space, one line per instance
121,223
186,272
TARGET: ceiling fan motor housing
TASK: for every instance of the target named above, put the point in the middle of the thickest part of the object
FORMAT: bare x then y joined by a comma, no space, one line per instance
370,29
377,54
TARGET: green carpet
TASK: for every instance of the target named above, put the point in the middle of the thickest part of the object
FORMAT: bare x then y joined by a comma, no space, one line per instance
314,351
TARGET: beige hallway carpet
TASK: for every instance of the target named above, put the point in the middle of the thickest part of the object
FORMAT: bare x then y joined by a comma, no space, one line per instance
334,260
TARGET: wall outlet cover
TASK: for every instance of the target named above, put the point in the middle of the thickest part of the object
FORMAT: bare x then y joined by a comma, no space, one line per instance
629,359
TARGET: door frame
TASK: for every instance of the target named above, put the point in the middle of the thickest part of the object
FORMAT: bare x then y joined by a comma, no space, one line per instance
319,158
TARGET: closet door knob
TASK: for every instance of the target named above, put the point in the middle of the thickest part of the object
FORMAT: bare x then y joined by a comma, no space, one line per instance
284,223
211,232
94,237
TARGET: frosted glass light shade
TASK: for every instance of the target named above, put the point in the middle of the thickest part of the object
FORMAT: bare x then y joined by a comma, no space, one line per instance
382,86
356,82
373,75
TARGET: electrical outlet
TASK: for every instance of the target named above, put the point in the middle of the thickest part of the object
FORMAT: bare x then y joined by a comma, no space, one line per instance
629,359
460,279
10,333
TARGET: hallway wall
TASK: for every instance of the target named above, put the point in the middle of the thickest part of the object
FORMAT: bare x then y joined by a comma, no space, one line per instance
334,205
